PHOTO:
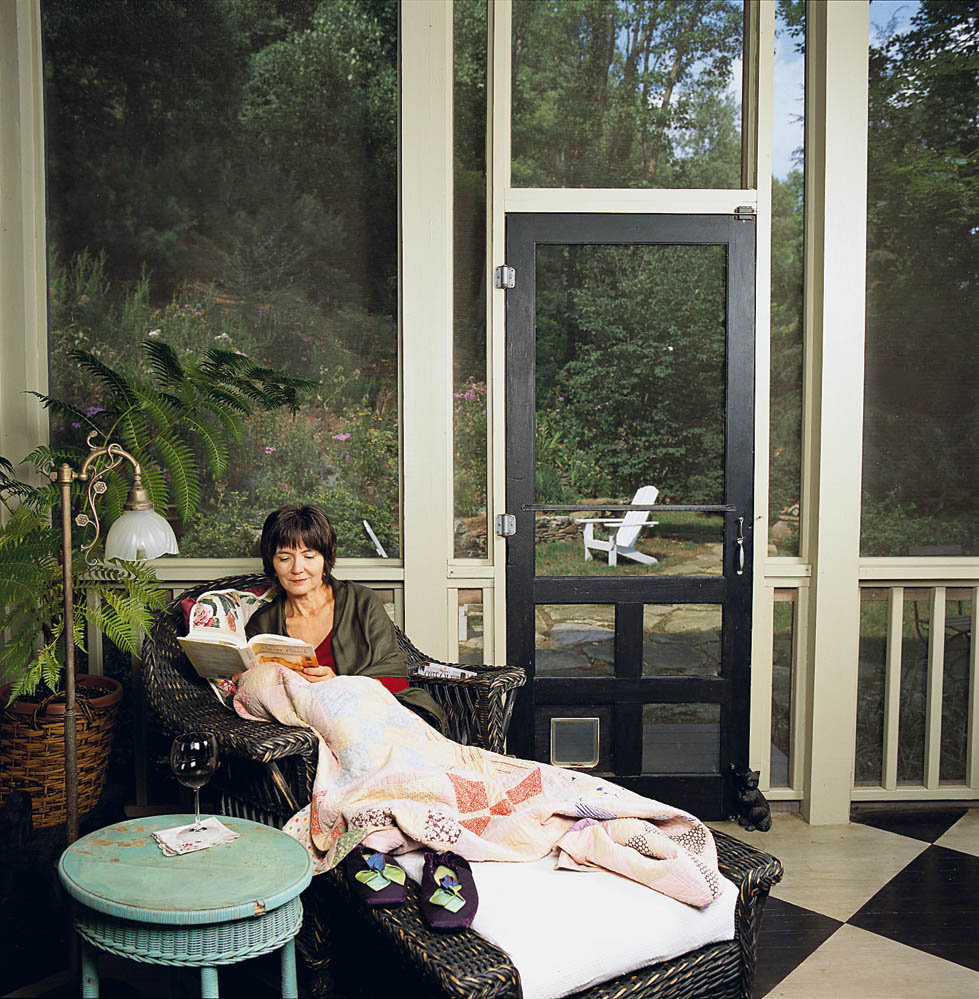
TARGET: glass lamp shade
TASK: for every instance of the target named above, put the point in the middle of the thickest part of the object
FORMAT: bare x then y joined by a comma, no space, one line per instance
140,534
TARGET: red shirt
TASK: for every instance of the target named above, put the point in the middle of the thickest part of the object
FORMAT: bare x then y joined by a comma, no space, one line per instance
324,656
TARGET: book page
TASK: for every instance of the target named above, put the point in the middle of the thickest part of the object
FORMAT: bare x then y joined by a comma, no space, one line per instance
216,657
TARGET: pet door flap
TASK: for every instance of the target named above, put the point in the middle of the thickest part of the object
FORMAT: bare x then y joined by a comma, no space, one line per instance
574,742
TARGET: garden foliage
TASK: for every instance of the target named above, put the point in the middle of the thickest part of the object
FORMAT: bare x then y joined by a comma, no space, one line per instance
223,173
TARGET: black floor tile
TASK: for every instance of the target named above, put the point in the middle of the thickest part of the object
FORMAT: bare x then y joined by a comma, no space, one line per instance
789,934
933,904
924,825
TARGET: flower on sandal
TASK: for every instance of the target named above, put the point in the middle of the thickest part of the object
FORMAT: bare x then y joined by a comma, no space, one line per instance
379,874
449,893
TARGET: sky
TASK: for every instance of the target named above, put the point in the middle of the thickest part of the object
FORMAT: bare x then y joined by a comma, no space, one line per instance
789,72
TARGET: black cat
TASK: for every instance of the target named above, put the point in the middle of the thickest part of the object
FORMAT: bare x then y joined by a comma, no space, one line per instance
754,812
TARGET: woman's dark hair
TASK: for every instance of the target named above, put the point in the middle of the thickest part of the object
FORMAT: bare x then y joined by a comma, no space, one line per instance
299,527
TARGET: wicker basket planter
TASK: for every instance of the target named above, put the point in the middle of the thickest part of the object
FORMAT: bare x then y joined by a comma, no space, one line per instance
32,747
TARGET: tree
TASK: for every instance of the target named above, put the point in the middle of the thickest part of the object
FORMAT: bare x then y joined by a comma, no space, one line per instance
630,341
922,377
625,93
643,395
224,173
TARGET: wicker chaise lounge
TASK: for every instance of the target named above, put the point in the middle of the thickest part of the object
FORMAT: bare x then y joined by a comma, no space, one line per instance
267,775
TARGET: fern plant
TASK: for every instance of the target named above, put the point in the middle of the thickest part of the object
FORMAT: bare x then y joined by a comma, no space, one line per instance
32,594
185,414
179,421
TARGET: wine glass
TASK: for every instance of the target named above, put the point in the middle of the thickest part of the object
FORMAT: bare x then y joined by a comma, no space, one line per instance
193,760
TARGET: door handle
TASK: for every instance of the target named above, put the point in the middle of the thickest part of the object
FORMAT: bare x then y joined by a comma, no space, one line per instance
740,543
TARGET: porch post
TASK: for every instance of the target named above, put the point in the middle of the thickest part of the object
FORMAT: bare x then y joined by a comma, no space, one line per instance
23,271
426,310
836,258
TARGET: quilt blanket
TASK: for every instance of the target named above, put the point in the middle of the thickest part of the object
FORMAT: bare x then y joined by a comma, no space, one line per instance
384,774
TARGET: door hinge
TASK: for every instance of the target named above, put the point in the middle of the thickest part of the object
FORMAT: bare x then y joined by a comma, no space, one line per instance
506,525
744,212
504,277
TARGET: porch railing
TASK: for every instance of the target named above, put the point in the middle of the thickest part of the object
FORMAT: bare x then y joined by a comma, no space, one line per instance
917,731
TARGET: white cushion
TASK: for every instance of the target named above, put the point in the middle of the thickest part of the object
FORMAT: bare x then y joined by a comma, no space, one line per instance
568,930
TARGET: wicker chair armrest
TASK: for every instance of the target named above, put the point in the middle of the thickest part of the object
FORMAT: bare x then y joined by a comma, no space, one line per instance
745,865
183,703
477,708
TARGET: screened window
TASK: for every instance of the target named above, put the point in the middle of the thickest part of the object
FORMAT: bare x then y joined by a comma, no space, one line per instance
627,93
788,229
224,173
921,407
469,277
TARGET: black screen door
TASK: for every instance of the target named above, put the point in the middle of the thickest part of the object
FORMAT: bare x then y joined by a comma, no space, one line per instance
629,445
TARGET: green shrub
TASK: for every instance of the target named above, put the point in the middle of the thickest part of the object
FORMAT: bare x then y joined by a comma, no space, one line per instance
232,527
469,444
894,526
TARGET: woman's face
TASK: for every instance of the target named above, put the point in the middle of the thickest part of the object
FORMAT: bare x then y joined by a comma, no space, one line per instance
299,570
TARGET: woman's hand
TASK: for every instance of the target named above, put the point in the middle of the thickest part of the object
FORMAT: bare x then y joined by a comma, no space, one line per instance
315,674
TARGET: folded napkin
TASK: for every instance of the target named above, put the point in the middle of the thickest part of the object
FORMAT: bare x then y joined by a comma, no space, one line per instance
187,839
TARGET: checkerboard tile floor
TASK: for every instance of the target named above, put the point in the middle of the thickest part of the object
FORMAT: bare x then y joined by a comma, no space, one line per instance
887,906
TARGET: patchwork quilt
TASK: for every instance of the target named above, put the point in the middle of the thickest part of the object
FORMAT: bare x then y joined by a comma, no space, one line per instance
386,776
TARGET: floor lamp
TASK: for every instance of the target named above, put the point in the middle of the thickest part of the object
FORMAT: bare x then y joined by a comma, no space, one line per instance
140,533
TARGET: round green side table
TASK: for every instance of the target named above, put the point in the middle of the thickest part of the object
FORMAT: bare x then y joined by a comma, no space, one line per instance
216,906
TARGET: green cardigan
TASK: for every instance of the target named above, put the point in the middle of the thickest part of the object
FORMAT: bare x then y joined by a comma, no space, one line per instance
364,640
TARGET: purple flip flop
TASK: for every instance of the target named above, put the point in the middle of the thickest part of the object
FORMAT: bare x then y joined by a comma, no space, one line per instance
374,877
448,892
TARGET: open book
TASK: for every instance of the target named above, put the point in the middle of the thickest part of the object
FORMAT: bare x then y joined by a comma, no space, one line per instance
216,644
216,656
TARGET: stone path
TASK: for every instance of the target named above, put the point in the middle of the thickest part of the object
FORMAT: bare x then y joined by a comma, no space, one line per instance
578,639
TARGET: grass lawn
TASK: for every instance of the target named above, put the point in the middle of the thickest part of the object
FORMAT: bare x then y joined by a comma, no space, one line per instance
683,543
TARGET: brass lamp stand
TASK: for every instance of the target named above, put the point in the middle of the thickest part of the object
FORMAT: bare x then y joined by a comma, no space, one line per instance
140,533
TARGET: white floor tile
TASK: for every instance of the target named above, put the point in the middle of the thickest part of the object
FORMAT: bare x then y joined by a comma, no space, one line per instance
964,835
855,964
833,870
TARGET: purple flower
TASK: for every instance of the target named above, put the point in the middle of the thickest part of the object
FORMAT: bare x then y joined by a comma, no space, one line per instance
560,398
76,425
341,437
92,410
269,449
303,357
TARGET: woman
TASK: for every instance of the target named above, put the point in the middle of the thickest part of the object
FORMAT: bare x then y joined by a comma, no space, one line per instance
345,622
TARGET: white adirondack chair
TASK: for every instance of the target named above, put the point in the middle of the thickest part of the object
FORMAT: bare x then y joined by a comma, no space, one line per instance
626,531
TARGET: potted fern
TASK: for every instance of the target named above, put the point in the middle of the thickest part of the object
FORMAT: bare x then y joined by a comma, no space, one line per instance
176,422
